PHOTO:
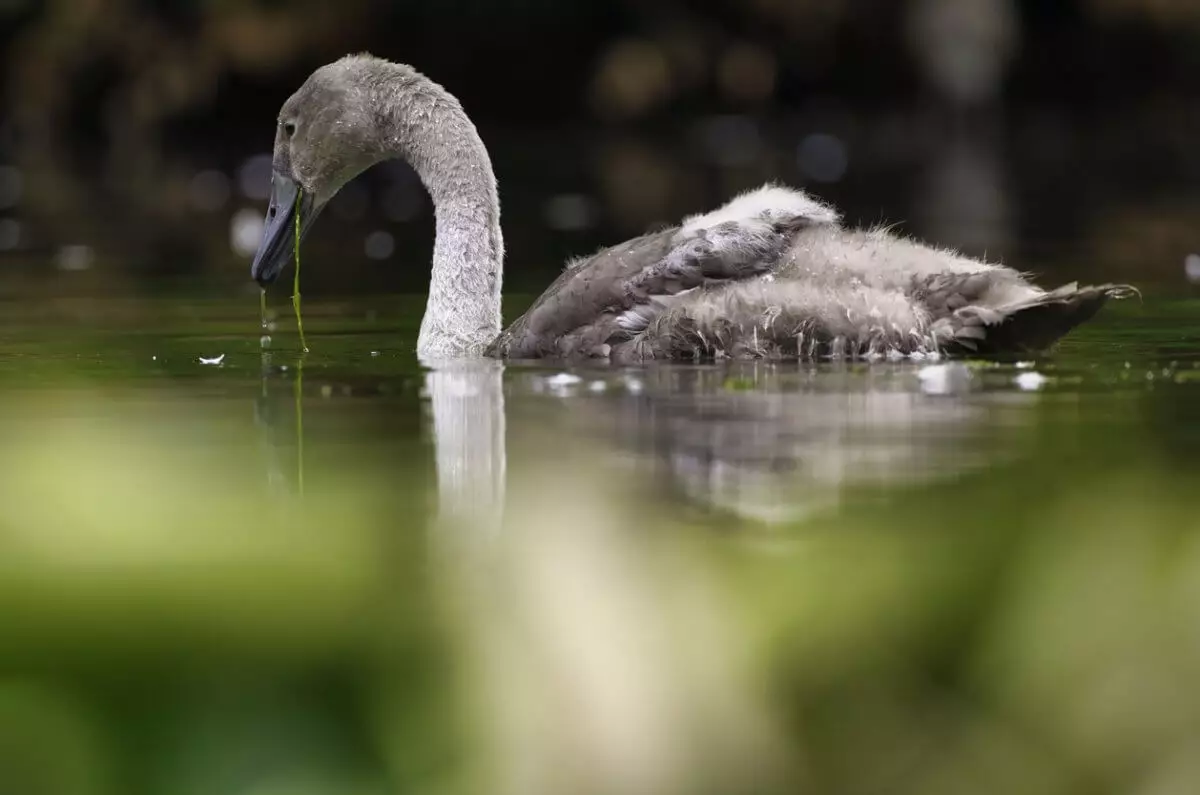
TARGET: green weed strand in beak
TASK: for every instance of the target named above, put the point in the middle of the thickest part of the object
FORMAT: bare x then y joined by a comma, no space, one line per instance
296,284
297,395
262,307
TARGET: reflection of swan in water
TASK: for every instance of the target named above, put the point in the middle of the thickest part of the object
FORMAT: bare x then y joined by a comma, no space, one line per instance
792,444
566,612
282,436
766,442
466,412
771,274
774,442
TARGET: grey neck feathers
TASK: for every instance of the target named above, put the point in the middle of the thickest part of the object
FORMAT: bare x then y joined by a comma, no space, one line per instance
427,126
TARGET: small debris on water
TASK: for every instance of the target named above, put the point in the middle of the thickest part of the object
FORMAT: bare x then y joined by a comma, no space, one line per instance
597,386
1024,365
563,379
562,384
264,341
214,360
374,353
944,379
1030,382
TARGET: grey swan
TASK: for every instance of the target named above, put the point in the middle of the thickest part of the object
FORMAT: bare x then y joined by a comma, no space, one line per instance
773,273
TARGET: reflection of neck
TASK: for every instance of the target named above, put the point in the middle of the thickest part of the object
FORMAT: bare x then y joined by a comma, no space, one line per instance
466,399
430,130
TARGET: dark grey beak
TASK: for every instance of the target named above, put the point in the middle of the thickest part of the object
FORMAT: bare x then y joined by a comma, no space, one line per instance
288,202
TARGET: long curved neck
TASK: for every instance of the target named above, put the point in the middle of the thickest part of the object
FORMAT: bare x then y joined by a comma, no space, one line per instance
428,127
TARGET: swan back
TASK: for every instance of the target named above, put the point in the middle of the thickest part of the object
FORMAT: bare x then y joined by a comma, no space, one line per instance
762,206
615,294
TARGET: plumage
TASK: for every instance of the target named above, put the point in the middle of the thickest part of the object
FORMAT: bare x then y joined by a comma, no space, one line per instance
773,273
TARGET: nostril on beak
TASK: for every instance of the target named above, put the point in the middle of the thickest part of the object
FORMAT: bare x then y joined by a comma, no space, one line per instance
271,212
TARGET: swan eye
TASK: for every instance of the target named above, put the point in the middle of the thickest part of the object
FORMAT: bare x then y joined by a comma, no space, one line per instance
289,128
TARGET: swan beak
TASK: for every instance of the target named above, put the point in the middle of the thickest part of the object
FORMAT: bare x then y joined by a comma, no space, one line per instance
289,206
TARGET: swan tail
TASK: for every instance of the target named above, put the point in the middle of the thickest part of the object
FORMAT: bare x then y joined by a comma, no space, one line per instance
1026,326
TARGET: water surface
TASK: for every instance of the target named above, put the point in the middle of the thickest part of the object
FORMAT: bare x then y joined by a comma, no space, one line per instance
347,571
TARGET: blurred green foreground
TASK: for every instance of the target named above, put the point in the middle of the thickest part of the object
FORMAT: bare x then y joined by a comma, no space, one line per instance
180,613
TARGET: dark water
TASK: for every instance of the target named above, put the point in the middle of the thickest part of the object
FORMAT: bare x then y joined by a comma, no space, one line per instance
343,573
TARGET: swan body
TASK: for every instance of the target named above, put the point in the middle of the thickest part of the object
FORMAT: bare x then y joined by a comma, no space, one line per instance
773,273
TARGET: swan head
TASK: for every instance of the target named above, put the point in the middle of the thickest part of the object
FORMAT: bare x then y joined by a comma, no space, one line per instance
327,133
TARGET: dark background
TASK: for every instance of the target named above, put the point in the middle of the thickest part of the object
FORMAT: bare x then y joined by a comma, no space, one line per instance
1057,136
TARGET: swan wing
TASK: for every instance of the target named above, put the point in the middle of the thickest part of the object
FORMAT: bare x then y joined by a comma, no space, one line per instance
615,294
